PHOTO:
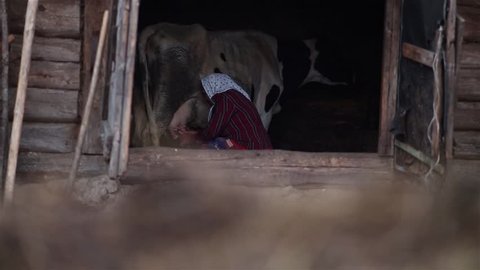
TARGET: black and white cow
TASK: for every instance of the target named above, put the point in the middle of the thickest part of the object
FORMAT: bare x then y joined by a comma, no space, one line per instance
173,58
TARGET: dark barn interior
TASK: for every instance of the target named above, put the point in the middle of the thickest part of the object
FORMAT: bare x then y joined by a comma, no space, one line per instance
315,117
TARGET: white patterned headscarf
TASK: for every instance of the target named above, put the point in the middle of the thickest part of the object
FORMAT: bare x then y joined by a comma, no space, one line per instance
218,83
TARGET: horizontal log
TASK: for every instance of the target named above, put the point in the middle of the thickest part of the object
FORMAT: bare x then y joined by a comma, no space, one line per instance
468,105
35,167
418,54
463,170
55,18
467,144
48,138
467,120
472,25
50,75
262,168
49,49
468,85
469,3
46,105
470,55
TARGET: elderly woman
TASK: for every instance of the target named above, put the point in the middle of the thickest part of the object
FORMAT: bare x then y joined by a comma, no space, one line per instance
233,120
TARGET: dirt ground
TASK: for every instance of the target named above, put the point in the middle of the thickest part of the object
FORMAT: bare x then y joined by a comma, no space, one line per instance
201,225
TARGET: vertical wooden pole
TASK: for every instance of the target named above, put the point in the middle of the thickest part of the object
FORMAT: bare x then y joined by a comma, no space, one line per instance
19,109
4,86
129,79
88,105
117,86
391,52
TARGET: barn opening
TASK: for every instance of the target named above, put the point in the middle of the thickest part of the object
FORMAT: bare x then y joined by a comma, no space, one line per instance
315,117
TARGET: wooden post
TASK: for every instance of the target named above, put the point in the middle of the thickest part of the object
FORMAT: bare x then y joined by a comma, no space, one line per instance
129,79
116,98
28,35
4,86
88,105
391,52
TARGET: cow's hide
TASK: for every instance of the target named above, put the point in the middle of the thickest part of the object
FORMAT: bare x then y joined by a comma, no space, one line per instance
173,58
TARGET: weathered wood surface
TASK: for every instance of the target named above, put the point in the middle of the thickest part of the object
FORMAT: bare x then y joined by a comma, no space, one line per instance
50,75
467,144
55,18
49,49
275,167
468,84
467,119
47,105
417,54
469,3
461,170
48,138
93,12
35,167
470,56
472,22
391,50
466,105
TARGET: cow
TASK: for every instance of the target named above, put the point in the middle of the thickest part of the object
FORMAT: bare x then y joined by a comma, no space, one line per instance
173,58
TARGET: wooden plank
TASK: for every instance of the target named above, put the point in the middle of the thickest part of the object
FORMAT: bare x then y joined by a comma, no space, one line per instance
115,105
467,144
469,3
417,54
391,50
47,105
470,57
466,105
451,36
48,138
34,166
50,75
93,12
468,85
56,18
467,119
49,49
129,85
472,25
276,167
461,170
420,156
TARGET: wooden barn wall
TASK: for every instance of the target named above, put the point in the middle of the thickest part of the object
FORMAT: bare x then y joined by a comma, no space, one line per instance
51,110
467,110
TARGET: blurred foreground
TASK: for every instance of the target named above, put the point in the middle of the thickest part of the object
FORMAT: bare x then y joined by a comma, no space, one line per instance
193,225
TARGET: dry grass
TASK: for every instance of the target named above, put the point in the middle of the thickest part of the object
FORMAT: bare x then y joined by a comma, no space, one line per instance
188,225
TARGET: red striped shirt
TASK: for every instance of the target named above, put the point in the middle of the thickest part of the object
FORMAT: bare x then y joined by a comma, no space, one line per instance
235,117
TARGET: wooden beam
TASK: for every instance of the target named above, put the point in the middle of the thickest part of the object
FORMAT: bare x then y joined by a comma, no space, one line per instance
467,119
472,27
93,12
29,33
420,156
417,54
454,46
276,167
50,75
470,57
48,138
55,18
89,104
4,57
391,52
468,85
129,83
48,105
116,98
50,49
34,166
467,144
